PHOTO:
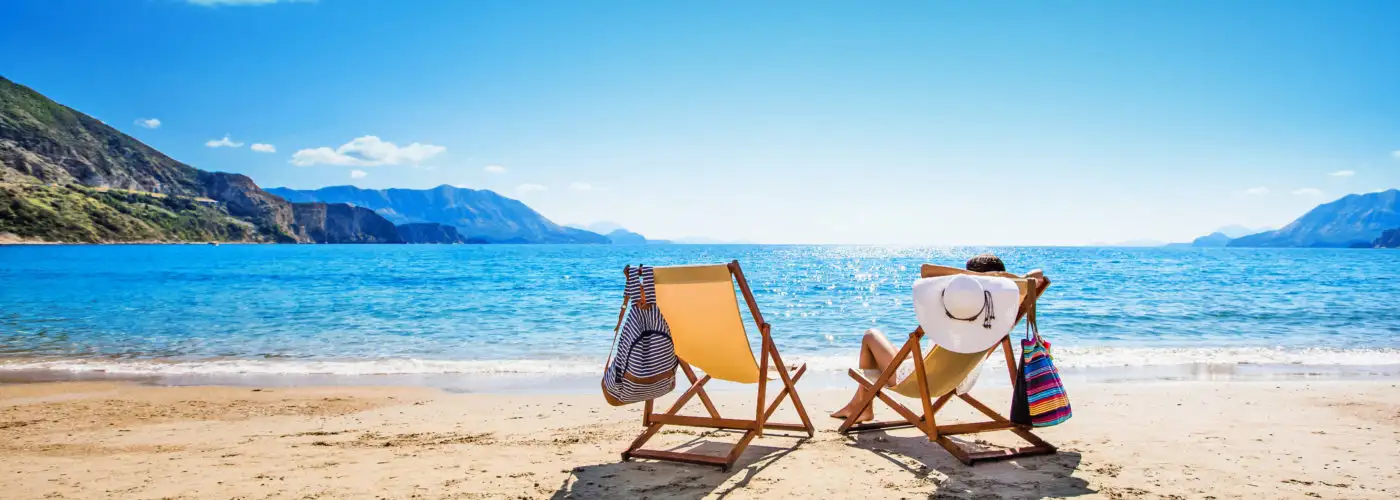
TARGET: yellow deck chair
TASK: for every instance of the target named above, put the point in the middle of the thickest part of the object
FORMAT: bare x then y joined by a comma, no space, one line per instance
699,305
938,376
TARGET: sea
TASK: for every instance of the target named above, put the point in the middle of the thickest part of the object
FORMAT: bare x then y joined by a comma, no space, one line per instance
515,317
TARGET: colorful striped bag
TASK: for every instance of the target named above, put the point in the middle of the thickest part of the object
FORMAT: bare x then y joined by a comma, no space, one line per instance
1039,399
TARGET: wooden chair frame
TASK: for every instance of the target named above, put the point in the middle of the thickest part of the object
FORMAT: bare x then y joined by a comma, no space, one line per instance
927,423
751,427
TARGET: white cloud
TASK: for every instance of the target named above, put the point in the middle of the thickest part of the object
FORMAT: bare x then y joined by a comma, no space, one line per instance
223,143
495,169
367,151
263,148
1307,192
148,122
530,188
1257,191
1343,173
580,186
358,174
1396,154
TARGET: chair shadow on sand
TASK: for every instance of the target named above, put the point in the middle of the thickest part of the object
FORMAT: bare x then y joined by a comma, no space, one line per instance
648,479
1027,477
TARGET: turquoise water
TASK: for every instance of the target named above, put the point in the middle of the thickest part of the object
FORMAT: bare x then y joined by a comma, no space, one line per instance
430,309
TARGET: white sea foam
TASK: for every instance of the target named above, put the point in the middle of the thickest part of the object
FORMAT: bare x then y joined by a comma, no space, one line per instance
308,367
830,362
1093,357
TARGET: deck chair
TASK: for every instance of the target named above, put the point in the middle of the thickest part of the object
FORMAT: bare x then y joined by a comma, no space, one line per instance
699,305
935,381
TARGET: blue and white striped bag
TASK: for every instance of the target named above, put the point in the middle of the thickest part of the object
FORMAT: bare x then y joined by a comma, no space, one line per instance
643,362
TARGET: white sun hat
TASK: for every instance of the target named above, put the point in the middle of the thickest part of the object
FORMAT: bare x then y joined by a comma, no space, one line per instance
966,313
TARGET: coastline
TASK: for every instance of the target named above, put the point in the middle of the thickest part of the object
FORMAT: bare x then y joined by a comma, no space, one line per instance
1271,439
586,383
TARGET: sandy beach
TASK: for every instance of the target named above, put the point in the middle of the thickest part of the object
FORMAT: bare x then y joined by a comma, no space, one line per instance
1296,439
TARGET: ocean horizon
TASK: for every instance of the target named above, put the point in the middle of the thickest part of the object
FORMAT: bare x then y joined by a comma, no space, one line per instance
549,310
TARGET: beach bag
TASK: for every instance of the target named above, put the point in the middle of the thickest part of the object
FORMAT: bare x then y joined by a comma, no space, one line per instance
1039,399
642,364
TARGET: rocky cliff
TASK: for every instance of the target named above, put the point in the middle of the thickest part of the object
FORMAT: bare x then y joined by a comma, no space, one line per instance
429,232
341,223
70,177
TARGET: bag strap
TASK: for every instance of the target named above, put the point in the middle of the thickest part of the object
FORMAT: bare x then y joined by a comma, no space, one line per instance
642,287
1032,328
620,313
623,311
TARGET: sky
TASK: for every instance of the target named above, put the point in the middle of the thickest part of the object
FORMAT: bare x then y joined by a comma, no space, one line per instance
906,123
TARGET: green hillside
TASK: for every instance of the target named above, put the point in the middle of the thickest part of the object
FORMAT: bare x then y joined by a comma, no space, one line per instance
78,214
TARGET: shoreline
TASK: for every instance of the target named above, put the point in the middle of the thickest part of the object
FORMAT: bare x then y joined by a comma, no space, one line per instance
993,375
1263,439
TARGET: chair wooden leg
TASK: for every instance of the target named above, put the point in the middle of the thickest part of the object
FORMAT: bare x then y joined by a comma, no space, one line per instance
651,430
790,389
997,423
704,398
941,433
751,427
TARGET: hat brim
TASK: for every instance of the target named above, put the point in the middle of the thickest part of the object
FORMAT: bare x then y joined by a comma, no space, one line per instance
966,336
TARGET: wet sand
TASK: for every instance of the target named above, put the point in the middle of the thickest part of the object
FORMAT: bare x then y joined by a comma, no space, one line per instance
1289,439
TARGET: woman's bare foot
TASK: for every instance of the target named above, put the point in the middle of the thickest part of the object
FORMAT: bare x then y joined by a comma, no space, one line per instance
844,413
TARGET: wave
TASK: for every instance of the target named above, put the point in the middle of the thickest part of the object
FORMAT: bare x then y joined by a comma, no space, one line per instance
1066,357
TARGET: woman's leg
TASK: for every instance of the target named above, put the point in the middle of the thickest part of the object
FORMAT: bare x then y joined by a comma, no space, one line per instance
876,352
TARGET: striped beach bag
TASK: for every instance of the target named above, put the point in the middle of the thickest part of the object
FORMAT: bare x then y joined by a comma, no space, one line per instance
1039,399
642,364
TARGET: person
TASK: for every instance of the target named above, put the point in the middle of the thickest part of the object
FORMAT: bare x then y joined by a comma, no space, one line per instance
876,351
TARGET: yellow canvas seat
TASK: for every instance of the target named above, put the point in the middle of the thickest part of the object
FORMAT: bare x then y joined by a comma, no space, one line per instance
936,378
707,329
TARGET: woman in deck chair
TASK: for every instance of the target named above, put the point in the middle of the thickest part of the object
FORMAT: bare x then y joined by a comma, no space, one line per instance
876,351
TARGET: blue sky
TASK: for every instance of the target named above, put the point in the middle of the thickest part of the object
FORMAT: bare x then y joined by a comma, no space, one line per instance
784,122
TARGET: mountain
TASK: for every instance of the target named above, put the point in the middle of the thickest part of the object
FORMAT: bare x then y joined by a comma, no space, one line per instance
1220,237
1216,239
600,227
1353,219
617,234
69,177
479,215
1389,238
429,232
625,237
1235,230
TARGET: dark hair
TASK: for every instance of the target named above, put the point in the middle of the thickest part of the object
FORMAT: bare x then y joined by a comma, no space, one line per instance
986,263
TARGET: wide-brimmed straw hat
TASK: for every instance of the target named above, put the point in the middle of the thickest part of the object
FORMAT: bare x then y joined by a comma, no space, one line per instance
966,313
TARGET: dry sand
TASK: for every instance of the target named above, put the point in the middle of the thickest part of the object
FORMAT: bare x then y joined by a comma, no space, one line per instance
1161,440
